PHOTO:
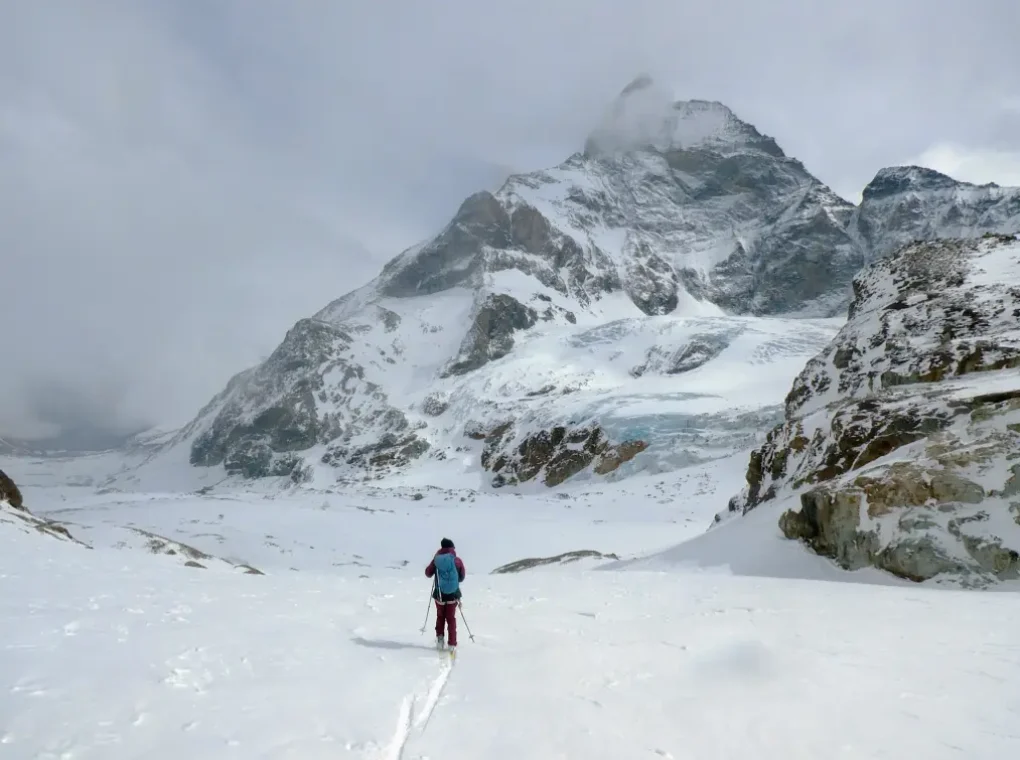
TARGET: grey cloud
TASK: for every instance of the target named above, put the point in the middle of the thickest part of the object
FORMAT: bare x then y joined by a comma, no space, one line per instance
182,181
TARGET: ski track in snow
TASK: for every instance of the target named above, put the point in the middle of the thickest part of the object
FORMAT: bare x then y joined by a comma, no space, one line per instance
432,698
118,654
395,749
408,720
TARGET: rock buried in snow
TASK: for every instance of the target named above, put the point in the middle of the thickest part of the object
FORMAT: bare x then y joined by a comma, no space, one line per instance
192,557
561,559
902,438
14,512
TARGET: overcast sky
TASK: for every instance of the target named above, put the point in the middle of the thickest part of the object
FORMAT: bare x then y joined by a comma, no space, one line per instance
181,181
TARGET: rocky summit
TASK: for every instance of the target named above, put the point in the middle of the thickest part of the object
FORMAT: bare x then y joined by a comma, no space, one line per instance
668,234
901,444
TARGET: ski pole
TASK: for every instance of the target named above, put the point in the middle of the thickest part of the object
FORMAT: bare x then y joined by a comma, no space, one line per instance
427,610
462,617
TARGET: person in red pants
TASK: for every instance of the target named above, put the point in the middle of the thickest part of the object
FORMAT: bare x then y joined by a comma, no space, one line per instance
448,570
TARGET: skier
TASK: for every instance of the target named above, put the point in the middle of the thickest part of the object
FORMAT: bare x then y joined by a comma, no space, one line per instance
449,573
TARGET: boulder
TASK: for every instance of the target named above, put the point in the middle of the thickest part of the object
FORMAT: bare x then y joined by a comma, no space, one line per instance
9,492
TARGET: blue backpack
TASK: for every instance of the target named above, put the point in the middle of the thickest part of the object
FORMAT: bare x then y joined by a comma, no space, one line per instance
446,574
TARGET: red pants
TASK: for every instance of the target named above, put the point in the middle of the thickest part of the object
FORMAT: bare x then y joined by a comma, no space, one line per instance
446,614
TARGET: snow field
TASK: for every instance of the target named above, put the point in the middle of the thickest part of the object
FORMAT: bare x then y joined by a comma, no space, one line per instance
114,656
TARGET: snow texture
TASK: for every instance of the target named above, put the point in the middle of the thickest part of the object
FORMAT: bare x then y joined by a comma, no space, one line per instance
118,655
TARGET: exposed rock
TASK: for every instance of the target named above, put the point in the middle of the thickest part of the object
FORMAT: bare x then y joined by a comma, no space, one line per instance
27,521
435,404
161,545
491,334
560,559
188,555
907,203
266,415
451,259
614,456
14,512
9,492
699,350
389,452
557,454
901,439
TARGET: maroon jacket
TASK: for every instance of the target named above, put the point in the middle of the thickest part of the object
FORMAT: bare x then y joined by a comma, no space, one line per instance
431,571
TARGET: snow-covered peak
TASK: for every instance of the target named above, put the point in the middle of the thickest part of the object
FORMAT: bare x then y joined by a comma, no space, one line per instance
647,115
692,214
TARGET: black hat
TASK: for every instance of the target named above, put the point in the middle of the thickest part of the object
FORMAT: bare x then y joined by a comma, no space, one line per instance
446,543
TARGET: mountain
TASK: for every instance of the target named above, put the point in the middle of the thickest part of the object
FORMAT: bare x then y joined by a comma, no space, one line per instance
906,203
900,440
601,311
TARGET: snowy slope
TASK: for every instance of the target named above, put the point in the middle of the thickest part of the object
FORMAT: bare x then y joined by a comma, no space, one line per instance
115,656
374,402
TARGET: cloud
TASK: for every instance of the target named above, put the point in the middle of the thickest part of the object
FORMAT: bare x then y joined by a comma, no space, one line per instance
181,181
977,165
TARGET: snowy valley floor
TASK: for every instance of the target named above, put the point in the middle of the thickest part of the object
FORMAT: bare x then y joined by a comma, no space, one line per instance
108,658
116,653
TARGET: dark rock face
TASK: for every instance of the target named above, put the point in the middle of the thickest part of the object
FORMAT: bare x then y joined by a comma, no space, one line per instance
389,452
491,334
896,435
452,258
557,454
268,414
858,434
9,492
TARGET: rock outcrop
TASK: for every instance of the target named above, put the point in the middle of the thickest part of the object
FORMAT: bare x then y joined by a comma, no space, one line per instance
907,203
902,439
9,492
14,512
552,455
566,558
309,392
